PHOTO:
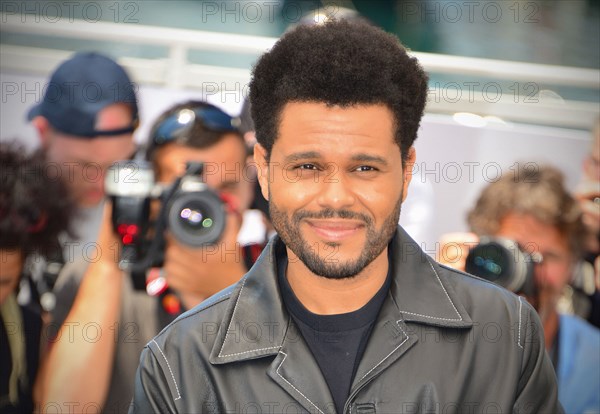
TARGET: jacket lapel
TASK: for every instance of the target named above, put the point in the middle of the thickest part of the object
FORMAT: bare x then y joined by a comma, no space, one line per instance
389,340
421,290
255,321
420,294
256,324
296,371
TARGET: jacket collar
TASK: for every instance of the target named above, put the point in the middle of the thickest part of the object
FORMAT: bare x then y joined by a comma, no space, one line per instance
256,322
421,289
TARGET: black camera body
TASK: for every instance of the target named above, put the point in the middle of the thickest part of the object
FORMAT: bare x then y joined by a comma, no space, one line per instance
503,262
193,213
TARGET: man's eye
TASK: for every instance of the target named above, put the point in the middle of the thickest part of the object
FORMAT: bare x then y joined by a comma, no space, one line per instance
306,167
365,168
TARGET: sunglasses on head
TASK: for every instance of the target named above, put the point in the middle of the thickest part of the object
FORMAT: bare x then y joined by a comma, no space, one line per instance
179,124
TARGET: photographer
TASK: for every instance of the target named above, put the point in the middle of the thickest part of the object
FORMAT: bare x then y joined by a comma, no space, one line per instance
100,372
85,122
532,208
34,210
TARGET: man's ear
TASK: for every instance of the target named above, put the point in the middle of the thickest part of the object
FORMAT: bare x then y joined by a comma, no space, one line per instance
408,170
43,129
262,166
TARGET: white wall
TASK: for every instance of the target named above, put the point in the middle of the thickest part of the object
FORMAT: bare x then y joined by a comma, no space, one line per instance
459,161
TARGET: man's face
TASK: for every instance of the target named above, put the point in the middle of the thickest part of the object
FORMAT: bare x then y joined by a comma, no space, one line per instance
11,265
82,162
224,166
554,272
335,184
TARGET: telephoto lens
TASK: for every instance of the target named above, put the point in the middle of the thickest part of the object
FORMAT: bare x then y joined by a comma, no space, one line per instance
502,261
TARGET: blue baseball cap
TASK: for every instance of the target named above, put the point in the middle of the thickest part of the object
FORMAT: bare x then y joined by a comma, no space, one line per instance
79,89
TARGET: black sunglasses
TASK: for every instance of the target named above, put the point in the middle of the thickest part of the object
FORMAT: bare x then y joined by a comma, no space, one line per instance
179,124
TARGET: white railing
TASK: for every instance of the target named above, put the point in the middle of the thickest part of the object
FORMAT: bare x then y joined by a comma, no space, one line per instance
177,72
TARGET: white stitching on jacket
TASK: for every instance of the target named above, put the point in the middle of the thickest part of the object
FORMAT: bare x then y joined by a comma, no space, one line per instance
430,317
519,337
170,370
232,315
252,350
212,302
290,384
448,296
388,355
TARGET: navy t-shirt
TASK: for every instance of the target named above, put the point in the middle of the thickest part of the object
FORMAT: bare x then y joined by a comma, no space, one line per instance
336,341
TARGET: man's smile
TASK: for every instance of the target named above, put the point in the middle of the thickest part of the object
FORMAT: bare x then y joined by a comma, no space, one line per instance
335,230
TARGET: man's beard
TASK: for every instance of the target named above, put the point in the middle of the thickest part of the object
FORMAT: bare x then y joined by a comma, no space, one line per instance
329,267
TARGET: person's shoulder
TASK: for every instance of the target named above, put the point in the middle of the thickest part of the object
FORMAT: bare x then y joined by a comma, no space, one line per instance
579,362
574,325
483,297
200,327
200,324
471,283
164,373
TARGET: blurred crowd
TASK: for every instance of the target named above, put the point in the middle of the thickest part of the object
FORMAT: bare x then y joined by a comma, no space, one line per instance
67,263
103,243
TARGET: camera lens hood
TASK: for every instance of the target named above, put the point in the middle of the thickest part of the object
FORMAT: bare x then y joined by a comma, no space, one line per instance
501,261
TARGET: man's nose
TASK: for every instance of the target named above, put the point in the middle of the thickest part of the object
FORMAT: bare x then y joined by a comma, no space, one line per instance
336,192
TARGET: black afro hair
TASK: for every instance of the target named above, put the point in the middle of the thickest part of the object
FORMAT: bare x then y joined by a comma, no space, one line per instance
339,63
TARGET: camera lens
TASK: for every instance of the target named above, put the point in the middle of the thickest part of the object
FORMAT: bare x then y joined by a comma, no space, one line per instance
197,218
501,261
489,261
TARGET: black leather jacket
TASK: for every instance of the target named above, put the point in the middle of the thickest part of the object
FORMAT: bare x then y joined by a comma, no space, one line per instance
444,342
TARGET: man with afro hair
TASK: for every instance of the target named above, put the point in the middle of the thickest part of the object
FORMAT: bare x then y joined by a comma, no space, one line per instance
343,312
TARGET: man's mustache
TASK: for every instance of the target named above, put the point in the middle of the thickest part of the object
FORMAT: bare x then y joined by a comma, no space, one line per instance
330,213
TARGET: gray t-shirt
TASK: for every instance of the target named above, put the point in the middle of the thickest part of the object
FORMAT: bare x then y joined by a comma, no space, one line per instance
85,225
